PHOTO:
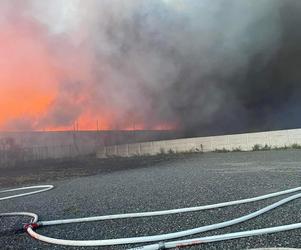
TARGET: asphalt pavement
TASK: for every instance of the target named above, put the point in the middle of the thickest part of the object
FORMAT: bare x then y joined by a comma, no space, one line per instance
156,183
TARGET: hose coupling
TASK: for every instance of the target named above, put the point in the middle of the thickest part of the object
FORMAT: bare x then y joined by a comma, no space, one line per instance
30,225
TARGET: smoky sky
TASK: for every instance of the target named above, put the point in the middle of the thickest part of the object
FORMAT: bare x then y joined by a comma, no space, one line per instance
209,67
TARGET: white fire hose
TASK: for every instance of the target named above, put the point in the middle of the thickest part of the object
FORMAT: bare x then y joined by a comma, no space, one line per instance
162,237
42,188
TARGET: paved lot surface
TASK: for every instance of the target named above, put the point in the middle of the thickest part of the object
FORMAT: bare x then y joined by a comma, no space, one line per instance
99,187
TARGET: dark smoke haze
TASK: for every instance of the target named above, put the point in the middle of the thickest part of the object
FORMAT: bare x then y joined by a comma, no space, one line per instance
207,66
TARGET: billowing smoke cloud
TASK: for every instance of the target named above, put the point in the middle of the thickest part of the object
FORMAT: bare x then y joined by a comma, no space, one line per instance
201,66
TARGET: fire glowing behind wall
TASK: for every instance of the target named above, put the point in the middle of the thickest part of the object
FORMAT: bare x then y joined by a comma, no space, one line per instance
53,77
195,65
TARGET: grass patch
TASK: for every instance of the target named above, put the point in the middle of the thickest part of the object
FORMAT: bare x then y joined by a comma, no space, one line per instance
223,150
162,151
258,147
281,148
296,146
238,149
173,152
170,151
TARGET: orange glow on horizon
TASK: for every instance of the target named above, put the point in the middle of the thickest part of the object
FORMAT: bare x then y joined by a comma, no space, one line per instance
32,70
26,74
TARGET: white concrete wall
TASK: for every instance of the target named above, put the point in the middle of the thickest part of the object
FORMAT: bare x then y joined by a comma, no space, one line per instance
30,146
244,142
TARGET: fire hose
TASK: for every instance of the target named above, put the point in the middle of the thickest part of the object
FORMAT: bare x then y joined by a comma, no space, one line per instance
162,237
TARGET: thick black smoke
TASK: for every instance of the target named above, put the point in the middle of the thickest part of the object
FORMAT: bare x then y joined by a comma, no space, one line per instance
209,66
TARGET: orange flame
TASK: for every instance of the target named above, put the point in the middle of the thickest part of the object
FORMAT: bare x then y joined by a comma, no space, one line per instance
29,74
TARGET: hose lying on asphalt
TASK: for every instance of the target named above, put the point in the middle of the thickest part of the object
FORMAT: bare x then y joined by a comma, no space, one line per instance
163,237
41,188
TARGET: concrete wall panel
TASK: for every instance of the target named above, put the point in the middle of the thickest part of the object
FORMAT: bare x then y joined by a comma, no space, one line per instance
122,150
111,150
28,146
205,144
147,148
134,149
258,138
